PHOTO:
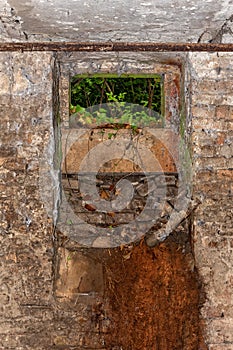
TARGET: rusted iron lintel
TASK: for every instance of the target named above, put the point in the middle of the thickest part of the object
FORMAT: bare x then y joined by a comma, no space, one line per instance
117,47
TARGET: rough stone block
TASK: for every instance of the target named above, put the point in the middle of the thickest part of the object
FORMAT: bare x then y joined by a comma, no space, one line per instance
78,274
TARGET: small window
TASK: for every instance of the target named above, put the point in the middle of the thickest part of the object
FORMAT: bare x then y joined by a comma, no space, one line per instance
98,100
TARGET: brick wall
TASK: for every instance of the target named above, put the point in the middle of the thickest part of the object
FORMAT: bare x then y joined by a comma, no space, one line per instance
212,147
31,318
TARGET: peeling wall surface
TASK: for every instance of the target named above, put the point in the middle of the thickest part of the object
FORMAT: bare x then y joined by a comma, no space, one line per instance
52,295
134,20
212,137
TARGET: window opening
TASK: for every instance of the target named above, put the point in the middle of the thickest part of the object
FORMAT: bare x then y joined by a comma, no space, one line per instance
108,108
109,92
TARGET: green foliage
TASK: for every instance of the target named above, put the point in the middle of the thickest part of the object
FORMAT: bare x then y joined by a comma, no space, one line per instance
111,135
114,98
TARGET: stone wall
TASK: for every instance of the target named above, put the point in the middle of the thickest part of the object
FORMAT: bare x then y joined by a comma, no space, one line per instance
34,255
26,245
212,144
31,318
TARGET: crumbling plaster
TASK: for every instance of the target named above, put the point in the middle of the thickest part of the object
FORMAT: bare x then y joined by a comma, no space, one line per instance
131,20
27,256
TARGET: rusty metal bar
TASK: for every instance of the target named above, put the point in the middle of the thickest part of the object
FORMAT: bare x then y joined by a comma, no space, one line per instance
114,47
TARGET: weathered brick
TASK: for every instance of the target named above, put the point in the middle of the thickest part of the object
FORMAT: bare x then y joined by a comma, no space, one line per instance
221,330
213,224
203,111
211,163
222,112
221,137
220,346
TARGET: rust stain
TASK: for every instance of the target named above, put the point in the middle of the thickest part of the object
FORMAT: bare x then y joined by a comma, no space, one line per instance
108,47
155,298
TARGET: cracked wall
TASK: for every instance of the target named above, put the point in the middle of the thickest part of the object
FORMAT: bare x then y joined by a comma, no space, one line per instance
31,317
154,21
26,246
212,144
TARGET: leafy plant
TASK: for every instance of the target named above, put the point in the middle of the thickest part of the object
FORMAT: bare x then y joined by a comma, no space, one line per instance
114,98
111,135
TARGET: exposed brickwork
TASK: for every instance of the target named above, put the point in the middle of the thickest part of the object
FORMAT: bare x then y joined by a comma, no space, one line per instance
31,316
212,140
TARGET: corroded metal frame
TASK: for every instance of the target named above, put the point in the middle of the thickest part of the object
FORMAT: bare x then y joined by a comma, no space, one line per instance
115,47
